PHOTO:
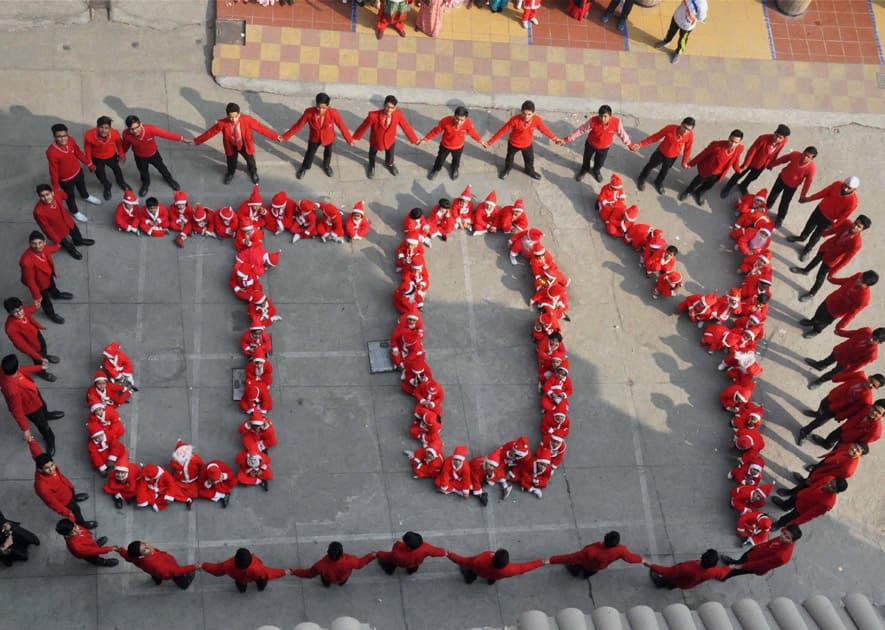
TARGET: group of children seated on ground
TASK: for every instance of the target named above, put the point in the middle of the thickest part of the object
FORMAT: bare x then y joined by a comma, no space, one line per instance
512,463
303,219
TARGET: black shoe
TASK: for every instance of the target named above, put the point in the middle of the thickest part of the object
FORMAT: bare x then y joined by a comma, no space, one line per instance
504,173
190,504
228,178
157,580
820,441
55,415
724,192
580,176
660,45
800,437
797,477
55,317
454,174
443,238
699,199
794,239
805,297
659,188
90,524
784,492
118,503
110,562
370,172
255,178
173,185
47,376
393,169
85,242
80,497
52,358
640,184
806,322
328,171
727,559
681,196
225,500
299,174
432,174
810,413
124,186
185,580
264,485
596,175
803,255
63,295
810,333
106,193
74,254
143,191
799,270
778,501
101,540
533,174
574,569
484,499
815,384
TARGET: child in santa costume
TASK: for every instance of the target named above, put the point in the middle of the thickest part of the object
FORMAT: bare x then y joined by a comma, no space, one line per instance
330,226
429,395
157,488
668,284
253,209
427,461
127,217
117,365
357,225
545,324
556,389
281,214
123,481
256,397
258,433
263,311
254,469
248,234
530,12
254,339
749,470
621,219
244,282
739,392
409,322
610,195
154,218
103,452
487,470
105,418
203,222
186,467
660,260
749,203
535,477
226,222
524,243
442,219
487,217
462,210
556,421
750,497
454,478
258,368
556,443
216,482
416,223
181,217
304,220
107,393
426,426
513,218
753,527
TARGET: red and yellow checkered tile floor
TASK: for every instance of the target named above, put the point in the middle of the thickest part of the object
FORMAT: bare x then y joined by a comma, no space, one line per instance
825,60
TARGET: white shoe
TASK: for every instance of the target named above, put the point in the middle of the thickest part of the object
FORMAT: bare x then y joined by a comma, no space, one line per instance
296,238
95,201
537,492
721,367
700,324
409,454
513,260
82,218
535,22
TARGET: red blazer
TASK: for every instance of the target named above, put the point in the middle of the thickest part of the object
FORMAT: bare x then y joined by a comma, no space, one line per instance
322,128
453,137
64,165
848,300
843,245
247,125
145,145
83,545
158,564
23,333
38,270
54,220
255,571
481,564
56,491
763,152
103,148
22,395
338,571
403,556
852,393
814,501
856,351
716,160
689,574
770,555
673,143
795,172
382,136
833,204
597,556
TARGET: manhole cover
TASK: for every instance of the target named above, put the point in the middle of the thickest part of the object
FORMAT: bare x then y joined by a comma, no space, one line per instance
880,79
379,357
230,32
239,382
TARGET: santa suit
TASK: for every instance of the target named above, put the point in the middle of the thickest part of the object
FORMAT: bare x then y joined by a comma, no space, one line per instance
750,203
107,419
524,242
406,338
754,527
607,207
755,316
248,235
429,395
668,283
547,351
749,440
245,283
226,222
126,216
401,555
749,415
216,480
256,397
596,557
186,466
751,220
408,296
154,223
610,194
157,489
462,210
335,571
487,217
513,218
755,262
514,452
262,311
554,300
304,220
482,566
104,453
454,477
658,260
535,477
357,226
415,372
281,214
427,461
638,235
181,214
555,389
124,489
555,442
250,343
545,325
741,391
754,241
556,422
258,368
441,221
487,470
621,219
699,308
113,394
255,572
116,363
409,248
253,209
418,225
258,431
330,225
748,472
203,222
253,468
426,427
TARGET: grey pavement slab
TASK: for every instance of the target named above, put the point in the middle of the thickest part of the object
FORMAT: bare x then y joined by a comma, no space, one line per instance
648,452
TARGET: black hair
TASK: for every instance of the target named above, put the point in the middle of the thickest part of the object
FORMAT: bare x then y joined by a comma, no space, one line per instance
9,364
527,105
782,130
36,235
461,111
736,133
604,109
42,459
323,99
879,377
444,203
794,531
103,120
879,334
811,150
242,558
390,98
151,201
41,188
762,298
413,540
864,220
133,550
864,447
672,249
869,277
59,127
131,118
555,335
231,108
64,527
414,213
11,303
612,539
841,484
688,120
335,550
710,558
501,559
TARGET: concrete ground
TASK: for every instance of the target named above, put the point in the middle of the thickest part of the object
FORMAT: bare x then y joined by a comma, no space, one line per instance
648,453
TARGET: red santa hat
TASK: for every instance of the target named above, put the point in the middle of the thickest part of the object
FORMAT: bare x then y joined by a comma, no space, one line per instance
518,206
493,459
765,275
226,214
543,455
250,392
257,418
98,433
306,205
151,471
199,213
615,181
182,453
674,278
535,234
130,198
255,197
256,324
763,521
538,249
413,315
278,200
330,210
111,350
180,198
762,195
460,452
272,258
521,446
411,337
417,262
259,356
415,363
632,213
743,440
122,464
99,376
491,199
557,438
213,472
467,195
96,407
435,447
765,489
246,224
734,294
359,208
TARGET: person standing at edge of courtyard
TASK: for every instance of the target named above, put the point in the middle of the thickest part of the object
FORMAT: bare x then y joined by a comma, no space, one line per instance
64,157
322,120
835,252
521,129
25,402
454,130
24,333
676,139
685,19
104,148
392,13
800,169
38,274
713,165
143,140
236,136
57,223
381,125
601,131
625,13
837,202
844,304
761,155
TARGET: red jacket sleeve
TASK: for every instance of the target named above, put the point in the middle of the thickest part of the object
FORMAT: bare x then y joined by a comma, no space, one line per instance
659,134
507,126
298,125
162,133
518,568
407,129
336,117
209,133
267,132
567,558
216,568
545,130
364,126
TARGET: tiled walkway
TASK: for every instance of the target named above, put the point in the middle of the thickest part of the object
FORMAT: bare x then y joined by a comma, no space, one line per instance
827,60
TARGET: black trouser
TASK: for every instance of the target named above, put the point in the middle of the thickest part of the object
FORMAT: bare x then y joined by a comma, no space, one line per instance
814,227
578,570
21,540
700,185
241,586
824,415
821,273
73,239
312,151
750,175
389,155
97,561
659,580
112,163
443,153
250,162
528,157
74,507
76,185
43,350
625,11
826,376
589,152
787,517
657,159
468,574
156,160
682,42
787,196
47,295
736,572
822,318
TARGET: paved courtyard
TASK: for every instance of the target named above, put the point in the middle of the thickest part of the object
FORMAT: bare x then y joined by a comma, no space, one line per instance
648,453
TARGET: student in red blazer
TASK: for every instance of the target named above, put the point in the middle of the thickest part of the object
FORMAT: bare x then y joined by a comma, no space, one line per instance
103,147
64,157
236,135
322,121
38,274
714,162
382,125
